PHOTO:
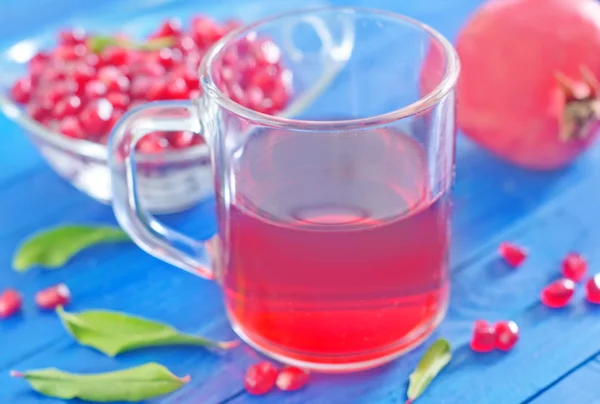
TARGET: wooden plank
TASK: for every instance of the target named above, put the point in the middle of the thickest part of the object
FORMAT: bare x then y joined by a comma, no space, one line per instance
580,386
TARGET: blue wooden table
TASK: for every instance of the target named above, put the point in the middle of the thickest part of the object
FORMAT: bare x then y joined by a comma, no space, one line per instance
556,361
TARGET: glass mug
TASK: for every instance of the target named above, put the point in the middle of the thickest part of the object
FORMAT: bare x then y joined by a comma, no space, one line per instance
333,218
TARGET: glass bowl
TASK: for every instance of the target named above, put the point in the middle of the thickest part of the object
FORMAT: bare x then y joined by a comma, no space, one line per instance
169,182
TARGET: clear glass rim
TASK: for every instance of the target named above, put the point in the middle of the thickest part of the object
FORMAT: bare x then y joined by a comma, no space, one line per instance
446,84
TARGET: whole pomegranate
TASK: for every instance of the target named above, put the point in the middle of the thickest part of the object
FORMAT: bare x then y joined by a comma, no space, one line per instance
528,90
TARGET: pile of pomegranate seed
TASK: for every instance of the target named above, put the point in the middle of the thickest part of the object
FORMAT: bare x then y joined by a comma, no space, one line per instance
46,299
503,336
81,90
261,377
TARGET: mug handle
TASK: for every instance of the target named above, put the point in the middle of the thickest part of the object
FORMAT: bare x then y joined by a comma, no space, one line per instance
148,233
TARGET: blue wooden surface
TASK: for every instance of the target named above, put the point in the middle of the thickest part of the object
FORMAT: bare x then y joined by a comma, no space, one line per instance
556,361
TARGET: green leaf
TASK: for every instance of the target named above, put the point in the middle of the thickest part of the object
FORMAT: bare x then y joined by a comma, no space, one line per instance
433,361
113,332
133,385
97,44
53,248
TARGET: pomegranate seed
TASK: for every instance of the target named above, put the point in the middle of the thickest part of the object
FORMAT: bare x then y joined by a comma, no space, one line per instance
291,378
168,57
92,60
52,297
113,79
115,56
118,100
156,91
95,89
69,105
70,127
558,293
592,289
37,112
177,89
483,338
75,37
21,90
69,53
254,98
507,335
152,143
205,31
10,303
185,44
83,73
95,117
260,378
513,254
574,267
169,28
180,140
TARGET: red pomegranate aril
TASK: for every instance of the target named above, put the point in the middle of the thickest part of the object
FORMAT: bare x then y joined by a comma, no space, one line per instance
118,100
592,289
21,90
157,90
69,53
115,56
152,143
37,113
114,79
260,378
74,37
574,267
205,31
291,378
264,80
69,105
483,338
168,57
507,335
10,303
92,60
181,140
177,89
95,89
95,117
558,294
40,60
254,98
189,75
169,28
70,127
52,297
513,254
185,44
83,73
265,52
149,69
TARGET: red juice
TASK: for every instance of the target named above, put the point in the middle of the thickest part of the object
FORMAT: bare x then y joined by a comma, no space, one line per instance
334,246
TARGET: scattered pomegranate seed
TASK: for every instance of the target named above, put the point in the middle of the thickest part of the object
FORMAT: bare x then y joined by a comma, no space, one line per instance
507,335
513,254
483,338
574,267
291,378
10,303
592,289
52,297
260,378
558,293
